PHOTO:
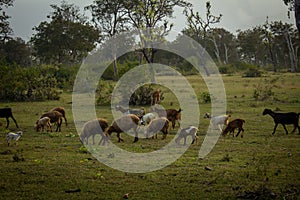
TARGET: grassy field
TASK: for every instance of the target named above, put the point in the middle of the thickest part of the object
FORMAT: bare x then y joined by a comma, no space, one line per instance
260,165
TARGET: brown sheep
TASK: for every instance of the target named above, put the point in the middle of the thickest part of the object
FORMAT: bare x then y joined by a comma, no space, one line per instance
236,123
55,117
123,124
156,125
172,115
93,127
62,111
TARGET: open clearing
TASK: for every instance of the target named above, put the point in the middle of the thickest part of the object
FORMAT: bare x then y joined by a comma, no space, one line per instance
260,165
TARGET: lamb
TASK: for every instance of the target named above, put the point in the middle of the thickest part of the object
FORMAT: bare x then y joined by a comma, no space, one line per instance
147,118
13,136
62,111
93,127
7,113
138,112
55,117
283,119
156,125
191,130
218,120
42,123
231,126
123,124
172,115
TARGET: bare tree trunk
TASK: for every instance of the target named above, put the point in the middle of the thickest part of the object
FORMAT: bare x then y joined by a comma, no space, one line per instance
291,51
217,52
226,53
297,14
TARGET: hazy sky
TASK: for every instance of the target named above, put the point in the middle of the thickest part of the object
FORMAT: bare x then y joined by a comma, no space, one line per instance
237,14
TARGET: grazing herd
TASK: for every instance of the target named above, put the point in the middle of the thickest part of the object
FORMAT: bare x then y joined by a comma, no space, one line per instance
135,120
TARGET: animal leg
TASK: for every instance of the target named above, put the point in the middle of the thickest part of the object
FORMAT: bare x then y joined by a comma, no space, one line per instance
15,121
274,129
238,132
7,122
286,131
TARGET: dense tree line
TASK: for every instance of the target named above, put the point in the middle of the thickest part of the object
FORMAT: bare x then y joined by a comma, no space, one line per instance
67,37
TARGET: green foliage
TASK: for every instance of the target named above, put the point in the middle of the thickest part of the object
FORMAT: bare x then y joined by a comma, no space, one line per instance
104,92
205,97
252,72
28,84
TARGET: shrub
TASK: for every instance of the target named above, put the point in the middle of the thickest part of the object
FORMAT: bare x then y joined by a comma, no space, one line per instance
263,90
252,72
205,97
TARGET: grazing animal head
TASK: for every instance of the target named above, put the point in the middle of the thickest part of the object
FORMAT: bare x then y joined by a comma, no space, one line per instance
267,111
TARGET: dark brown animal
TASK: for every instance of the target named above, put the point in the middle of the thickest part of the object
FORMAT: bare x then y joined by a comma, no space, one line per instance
283,119
7,113
93,127
156,125
231,126
55,117
123,124
62,111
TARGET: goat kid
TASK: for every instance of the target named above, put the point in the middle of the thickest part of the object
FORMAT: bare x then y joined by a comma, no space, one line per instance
231,126
189,131
13,136
147,118
283,119
41,123
217,120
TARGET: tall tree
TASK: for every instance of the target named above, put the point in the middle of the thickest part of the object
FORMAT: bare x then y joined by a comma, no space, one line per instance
198,28
5,30
153,14
110,18
294,5
68,37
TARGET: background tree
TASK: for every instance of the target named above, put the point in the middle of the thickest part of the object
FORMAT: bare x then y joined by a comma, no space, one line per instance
294,5
198,28
109,17
153,14
68,37
5,30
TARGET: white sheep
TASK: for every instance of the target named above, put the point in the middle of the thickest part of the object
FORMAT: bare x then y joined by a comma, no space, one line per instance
218,120
147,118
191,130
13,136
42,123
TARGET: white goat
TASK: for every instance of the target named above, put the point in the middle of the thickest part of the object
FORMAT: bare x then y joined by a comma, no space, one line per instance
42,123
13,136
147,118
218,120
191,130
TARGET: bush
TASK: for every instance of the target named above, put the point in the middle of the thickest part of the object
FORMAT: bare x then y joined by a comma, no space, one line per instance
205,97
263,90
28,84
252,72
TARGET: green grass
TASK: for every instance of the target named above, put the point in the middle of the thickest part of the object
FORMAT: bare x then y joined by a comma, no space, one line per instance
55,165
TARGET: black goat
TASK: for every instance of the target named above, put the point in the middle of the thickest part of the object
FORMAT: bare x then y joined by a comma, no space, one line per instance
7,113
284,118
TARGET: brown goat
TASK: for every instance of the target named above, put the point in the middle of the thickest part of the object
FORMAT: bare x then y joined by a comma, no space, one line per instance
236,123
123,124
172,115
93,127
55,117
156,125
62,111
41,123
155,97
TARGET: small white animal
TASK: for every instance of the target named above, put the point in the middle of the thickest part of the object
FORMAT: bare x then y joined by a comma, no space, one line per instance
13,136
